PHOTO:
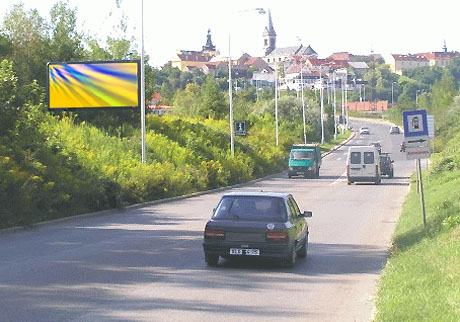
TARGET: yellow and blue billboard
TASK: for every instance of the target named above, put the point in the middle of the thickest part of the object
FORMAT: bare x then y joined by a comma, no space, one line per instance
102,84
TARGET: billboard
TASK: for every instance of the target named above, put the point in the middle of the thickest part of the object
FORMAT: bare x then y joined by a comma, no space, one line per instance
100,84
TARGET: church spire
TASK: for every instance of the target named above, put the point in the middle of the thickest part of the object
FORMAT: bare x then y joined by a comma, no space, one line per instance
269,36
270,23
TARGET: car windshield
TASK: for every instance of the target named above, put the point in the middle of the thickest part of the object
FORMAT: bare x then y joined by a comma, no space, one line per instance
254,208
302,155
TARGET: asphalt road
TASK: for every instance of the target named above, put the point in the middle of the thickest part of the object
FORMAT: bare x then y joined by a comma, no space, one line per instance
147,264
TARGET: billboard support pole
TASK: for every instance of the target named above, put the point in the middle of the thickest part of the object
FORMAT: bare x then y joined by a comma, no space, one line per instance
142,83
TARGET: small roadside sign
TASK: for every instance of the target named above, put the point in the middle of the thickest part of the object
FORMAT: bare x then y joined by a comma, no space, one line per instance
422,152
241,128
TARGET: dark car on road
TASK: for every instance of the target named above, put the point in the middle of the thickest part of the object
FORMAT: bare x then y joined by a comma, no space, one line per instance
386,165
256,225
378,145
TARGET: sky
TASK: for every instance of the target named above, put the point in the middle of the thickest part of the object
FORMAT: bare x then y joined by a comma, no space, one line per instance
355,26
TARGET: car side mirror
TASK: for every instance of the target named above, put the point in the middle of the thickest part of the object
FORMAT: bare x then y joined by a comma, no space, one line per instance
307,214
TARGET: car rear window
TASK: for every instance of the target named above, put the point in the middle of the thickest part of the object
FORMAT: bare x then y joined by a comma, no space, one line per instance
252,208
355,158
368,157
384,159
302,155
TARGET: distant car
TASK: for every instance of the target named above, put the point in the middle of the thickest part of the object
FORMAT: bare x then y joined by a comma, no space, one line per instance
386,165
256,224
377,145
364,130
395,129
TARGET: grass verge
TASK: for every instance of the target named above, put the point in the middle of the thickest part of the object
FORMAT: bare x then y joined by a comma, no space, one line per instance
421,281
328,146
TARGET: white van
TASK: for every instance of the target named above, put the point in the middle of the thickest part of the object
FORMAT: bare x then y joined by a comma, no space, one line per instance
363,164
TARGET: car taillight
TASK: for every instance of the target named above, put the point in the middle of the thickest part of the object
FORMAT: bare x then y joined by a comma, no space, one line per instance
348,170
214,234
377,168
277,236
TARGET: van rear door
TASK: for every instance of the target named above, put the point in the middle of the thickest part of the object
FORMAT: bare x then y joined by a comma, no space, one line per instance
356,167
369,165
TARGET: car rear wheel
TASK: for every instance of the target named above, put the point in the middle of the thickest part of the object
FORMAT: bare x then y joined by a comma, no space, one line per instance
304,249
211,259
391,174
290,261
317,173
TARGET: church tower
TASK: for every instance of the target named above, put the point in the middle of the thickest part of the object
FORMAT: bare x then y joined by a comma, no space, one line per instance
209,48
209,45
269,36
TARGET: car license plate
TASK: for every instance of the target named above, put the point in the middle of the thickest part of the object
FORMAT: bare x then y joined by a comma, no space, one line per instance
248,252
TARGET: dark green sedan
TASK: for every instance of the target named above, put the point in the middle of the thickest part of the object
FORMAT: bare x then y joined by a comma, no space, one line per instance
256,224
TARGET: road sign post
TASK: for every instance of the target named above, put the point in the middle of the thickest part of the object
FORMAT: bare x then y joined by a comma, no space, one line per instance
422,195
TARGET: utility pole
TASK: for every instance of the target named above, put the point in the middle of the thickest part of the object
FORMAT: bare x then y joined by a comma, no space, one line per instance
143,156
343,106
346,102
322,105
230,95
230,89
303,105
276,101
335,106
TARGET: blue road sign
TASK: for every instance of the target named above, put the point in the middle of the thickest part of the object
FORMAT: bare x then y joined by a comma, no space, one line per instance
415,123
241,128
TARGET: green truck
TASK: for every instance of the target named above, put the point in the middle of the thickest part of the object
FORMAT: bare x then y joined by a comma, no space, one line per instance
305,159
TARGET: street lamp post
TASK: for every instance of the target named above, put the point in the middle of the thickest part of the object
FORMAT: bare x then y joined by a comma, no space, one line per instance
303,105
230,91
143,156
230,97
416,96
343,105
335,105
322,104
276,102
346,102
392,97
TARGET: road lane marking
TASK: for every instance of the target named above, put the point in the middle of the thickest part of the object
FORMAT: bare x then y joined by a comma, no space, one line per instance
342,178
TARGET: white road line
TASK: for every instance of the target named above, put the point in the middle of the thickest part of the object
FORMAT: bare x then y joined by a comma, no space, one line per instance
342,178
